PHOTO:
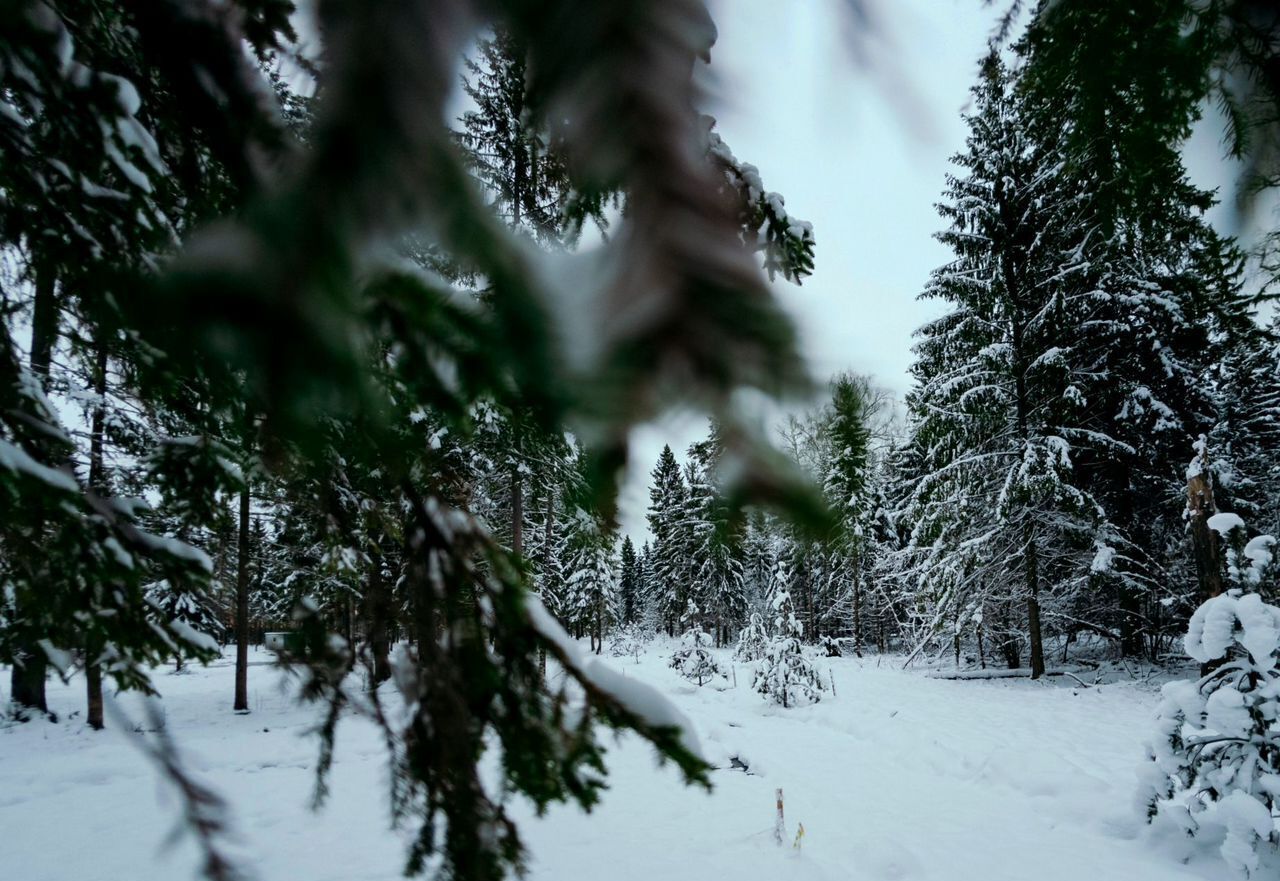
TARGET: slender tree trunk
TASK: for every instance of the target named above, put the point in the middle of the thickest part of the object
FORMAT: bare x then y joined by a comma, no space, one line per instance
97,482
378,620
242,606
1204,543
1011,269
517,512
1008,642
857,609
1033,611
27,686
812,633
350,628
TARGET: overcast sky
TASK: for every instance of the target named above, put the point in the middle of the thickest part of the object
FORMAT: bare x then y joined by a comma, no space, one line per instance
861,153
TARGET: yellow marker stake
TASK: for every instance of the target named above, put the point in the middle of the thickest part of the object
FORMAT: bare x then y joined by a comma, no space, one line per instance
799,835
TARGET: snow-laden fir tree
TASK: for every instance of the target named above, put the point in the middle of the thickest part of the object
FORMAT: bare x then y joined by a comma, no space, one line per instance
670,544
650,618
1214,764
783,673
753,639
715,543
849,490
998,513
192,613
695,660
1244,444
591,588
1154,291
630,596
629,641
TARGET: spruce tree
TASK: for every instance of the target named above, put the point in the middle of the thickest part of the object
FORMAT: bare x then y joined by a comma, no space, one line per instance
714,549
998,516
629,593
670,563
847,484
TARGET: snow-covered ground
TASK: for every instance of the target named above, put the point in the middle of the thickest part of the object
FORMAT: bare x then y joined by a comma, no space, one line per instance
899,776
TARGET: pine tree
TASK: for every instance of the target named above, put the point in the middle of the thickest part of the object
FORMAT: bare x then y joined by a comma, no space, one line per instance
783,674
629,593
695,661
998,515
1159,292
1216,743
714,550
591,580
670,563
847,484
515,159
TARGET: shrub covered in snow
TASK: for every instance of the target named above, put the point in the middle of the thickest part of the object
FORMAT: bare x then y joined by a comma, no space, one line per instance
786,676
1214,769
753,640
190,614
629,641
694,660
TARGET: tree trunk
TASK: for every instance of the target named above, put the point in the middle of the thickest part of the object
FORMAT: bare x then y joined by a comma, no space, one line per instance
1033,612
1012,270
97,482
857,610
242,606
517,512
1204,543
378,621
29,663
1008,643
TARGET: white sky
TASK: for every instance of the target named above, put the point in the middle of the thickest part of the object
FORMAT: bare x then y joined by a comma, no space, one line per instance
861,153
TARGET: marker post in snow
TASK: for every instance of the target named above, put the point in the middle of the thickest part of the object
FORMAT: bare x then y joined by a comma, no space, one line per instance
779,823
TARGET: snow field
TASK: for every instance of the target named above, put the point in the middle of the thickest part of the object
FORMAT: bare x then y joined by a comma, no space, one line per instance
898,777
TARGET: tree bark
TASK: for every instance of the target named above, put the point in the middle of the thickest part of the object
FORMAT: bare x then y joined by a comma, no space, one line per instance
1033,611
97,482
1204,543
517,512
242,606
30,665
857,609
378,621
1012,271
1131,645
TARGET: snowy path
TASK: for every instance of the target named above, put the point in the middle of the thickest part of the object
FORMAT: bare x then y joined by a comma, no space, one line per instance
900,777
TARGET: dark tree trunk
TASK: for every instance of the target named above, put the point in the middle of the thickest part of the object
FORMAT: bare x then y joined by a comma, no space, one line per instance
1013,271
44,324
1009,642
1204,543
1033,612
857,609
30,665
97,482
517,512
242,606
378,621
1131,645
